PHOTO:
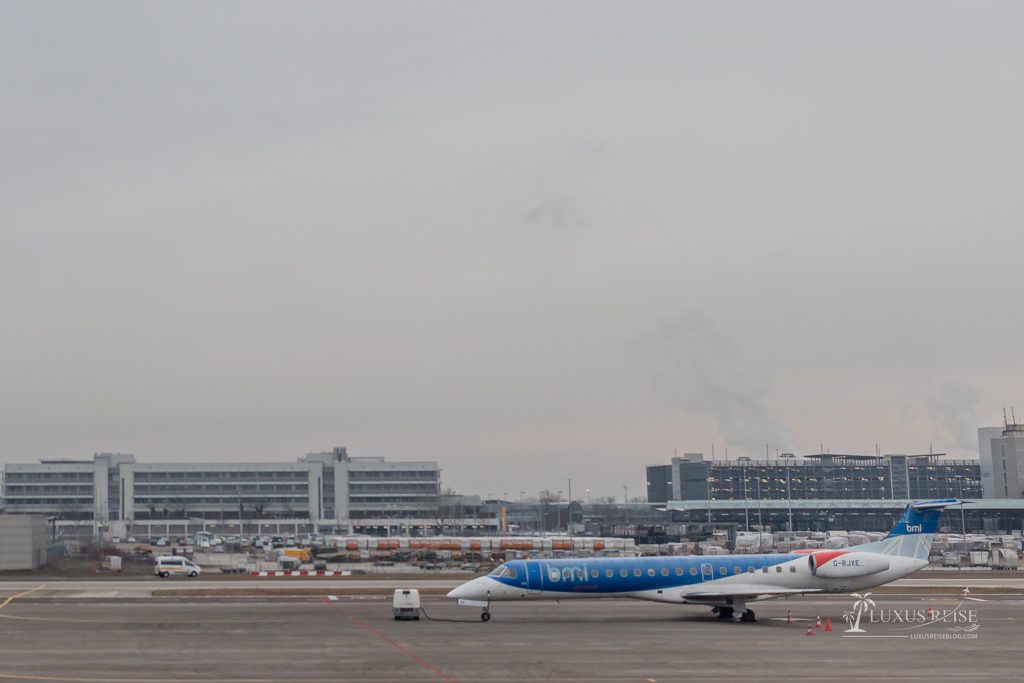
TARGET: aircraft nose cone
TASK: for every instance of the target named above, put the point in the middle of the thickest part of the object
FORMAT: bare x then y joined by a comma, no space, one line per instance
459,591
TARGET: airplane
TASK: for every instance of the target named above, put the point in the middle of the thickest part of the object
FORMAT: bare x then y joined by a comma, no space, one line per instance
726,583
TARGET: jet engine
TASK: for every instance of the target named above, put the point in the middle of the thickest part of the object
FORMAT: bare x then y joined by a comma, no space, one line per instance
842,565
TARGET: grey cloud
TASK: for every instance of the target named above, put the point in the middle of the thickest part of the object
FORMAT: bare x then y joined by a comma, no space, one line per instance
953,407
697,367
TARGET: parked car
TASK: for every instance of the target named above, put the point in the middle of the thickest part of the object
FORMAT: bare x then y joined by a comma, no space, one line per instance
175,565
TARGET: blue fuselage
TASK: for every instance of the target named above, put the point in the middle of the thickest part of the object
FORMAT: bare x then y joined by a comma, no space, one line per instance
631,575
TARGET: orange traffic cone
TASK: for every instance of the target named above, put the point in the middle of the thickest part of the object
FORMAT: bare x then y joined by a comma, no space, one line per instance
810,631
817,623
789,616
828,624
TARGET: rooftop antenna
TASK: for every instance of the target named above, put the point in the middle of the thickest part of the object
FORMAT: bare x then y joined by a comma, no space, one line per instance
713,449
1004,416
1013,416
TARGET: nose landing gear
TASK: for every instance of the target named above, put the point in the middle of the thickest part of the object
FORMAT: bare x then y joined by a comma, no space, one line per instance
485,616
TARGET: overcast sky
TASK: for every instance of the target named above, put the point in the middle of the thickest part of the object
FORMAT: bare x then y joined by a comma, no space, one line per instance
529,241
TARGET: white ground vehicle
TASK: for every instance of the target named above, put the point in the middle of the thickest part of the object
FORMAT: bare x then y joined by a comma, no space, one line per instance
175,565
406,604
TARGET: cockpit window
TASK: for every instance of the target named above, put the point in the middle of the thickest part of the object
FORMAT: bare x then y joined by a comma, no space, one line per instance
504,571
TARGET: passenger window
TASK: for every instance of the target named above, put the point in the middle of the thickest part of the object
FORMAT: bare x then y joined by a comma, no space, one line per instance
778,568
764,570
623,572
792,568
593,573
750,570
609,573
664,571
650,572
723,571
737,570
637,572
693,571
679,571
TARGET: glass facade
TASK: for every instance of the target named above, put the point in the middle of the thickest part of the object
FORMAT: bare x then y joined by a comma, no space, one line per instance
818,477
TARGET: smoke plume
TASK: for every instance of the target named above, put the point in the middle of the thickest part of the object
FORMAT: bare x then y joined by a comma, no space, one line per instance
696,367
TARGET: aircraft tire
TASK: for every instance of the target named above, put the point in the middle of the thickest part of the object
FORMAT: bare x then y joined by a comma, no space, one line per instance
485,616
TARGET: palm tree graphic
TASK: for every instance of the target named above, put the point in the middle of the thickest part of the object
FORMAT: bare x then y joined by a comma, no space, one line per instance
861,605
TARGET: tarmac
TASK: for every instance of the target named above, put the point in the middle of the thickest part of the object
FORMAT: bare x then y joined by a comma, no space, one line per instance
146,586
334,637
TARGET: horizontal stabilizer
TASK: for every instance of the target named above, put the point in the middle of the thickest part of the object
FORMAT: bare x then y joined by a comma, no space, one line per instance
938,504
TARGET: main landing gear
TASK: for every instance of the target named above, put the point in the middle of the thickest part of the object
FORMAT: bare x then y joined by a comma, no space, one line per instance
730,613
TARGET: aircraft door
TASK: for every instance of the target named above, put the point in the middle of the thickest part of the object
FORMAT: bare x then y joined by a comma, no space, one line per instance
533,577
706,572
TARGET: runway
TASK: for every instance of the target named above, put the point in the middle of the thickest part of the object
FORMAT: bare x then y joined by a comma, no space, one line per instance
317,638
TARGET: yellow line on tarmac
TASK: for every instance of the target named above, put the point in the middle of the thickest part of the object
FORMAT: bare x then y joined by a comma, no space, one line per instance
21,595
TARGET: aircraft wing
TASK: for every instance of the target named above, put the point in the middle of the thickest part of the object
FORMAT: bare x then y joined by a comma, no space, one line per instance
741,590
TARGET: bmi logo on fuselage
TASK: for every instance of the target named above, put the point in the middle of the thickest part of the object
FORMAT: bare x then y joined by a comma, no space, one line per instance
913,528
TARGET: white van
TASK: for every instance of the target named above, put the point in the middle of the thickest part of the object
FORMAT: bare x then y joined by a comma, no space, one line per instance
175,565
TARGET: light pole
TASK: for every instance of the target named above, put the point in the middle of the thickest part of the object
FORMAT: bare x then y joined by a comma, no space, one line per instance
568,525
963,518
759,522
789,498
558,511
746,508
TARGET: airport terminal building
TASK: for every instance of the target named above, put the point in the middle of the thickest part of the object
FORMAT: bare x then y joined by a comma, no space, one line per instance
822,476
824,491
329,492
